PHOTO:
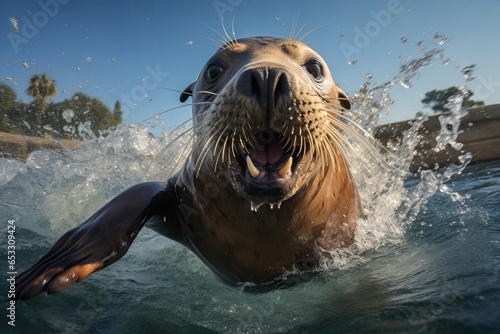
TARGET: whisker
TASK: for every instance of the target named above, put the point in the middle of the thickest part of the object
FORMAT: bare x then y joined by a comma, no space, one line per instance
221,151
291,37
295,38
178,107
366,140
311,141
180,158
204,153
233,31
172,142
164,149
213,41
228,38
242,144
355,133
225,41
174,90
208,92
311,31
335,135
217,144
246,140
224,150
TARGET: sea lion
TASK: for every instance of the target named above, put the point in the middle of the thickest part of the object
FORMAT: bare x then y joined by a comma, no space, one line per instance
265,191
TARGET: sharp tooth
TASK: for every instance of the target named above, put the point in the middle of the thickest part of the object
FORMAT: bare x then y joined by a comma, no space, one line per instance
286,168
254,172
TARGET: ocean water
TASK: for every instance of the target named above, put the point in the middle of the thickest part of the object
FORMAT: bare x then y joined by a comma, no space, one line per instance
426,258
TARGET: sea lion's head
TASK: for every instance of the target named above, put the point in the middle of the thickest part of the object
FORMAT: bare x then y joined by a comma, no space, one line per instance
266,116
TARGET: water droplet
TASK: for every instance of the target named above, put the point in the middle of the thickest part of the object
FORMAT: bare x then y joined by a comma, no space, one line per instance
271,206
405,83
403,39
443,41
277,17
342,34
25,64
368,76
78,68
113,59
352,62
13,24
7,78
467,72
88,59
279,205
189,43
68,115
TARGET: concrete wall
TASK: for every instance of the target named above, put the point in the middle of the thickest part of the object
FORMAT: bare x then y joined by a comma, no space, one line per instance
479,132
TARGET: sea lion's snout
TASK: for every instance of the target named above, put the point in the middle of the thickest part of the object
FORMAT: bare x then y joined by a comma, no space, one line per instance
266,85
267,117
266,162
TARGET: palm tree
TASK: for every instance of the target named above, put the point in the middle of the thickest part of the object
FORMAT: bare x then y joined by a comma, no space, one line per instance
40,88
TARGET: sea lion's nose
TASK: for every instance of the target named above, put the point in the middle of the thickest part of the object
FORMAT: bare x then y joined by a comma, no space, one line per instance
266,85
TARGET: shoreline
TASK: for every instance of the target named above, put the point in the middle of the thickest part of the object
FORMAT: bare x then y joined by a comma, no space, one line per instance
19,147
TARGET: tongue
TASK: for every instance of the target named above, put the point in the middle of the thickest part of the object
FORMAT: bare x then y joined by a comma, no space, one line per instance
268,153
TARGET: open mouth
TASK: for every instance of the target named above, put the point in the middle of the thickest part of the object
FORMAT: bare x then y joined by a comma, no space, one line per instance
266,161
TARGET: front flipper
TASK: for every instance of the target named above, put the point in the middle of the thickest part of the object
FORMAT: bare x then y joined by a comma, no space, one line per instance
98,242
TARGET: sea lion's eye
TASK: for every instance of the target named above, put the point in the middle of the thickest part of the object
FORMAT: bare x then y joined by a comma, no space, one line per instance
315,69
213,72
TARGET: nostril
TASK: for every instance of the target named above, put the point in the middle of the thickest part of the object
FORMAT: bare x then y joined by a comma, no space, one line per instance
255,86
250,83
281,88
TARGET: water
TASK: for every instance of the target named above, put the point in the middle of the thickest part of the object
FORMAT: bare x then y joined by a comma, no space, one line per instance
426,258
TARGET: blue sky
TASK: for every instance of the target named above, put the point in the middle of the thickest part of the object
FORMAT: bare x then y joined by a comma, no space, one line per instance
132,50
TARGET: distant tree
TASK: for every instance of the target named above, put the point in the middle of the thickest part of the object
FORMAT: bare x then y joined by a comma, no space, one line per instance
79,109
117,112
437,99
7,101
7,97
40,88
